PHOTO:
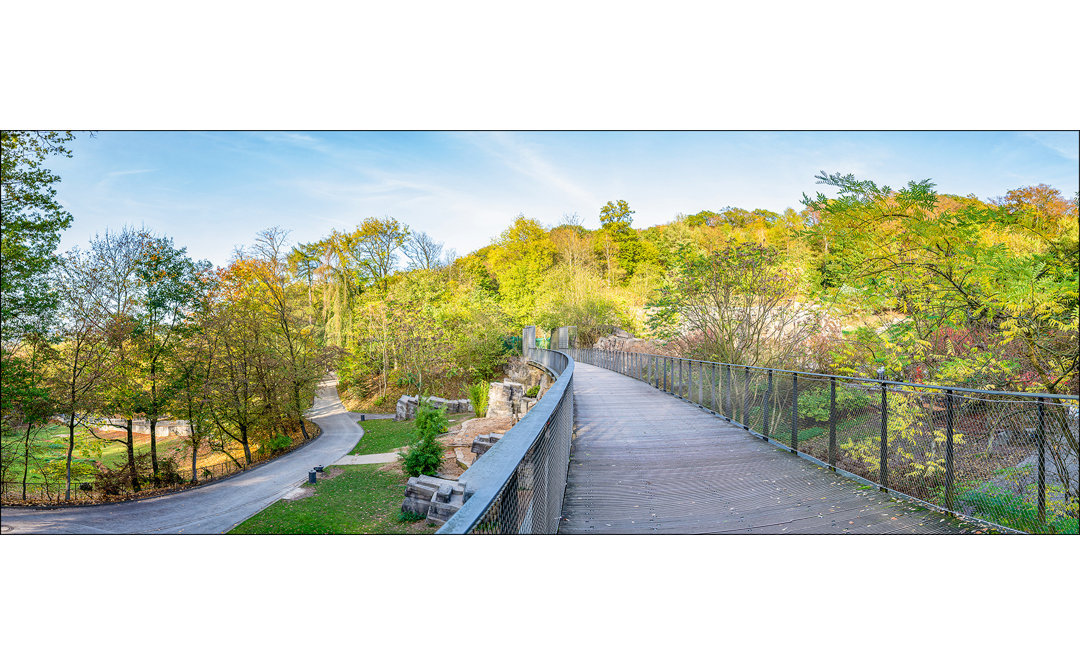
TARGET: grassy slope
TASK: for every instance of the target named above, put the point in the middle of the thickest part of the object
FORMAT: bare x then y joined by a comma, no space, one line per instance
362,499
385,436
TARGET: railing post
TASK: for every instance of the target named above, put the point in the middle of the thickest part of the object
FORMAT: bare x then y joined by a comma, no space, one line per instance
680,377
832,422
727,393
765,408
1042,461
712,387
701,383
794,412
746,398
950,474
883,478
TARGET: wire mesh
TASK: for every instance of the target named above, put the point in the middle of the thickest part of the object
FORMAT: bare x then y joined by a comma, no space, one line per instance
522,492
1010,459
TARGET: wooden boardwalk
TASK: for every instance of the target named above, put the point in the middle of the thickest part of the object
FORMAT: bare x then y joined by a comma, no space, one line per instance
643,461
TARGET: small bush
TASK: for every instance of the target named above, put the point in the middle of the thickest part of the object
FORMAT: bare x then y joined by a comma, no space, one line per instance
279,443
406,516
478,395
814,404
532,392
168,473
424,457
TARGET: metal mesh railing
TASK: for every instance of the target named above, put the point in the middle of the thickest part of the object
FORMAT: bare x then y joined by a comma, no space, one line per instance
517,486
1008,459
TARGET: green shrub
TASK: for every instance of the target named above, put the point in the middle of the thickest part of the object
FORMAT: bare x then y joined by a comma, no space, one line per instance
406,516
478,395
424,457
814,404
279,443
810,432
532,392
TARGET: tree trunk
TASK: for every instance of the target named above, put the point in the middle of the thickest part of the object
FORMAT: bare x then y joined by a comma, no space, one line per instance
244,443
71,448
194,447
300,410
135,487
26,461
153,450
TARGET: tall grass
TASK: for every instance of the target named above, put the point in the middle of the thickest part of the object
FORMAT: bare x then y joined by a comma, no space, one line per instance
478,395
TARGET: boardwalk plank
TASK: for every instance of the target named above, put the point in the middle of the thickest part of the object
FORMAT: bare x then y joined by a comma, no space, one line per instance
643,461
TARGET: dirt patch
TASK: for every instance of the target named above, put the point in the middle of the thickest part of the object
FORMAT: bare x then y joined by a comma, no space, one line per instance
474,427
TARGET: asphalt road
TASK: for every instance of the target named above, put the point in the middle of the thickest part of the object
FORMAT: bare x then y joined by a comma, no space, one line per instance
214,508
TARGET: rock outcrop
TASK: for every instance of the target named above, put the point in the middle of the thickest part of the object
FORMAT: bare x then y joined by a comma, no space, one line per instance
407,404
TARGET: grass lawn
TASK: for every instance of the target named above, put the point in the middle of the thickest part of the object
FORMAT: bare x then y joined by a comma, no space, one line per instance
360,500
50,443
386,436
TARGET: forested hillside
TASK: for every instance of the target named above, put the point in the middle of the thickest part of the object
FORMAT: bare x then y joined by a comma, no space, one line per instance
932,287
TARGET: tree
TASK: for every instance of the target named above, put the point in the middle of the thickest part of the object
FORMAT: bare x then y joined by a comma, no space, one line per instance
377,243
1005,271
31,220
30,223
616,215
423,252
113,264
29,400
519,258
170,283
84,358
615,219
305,363
742,305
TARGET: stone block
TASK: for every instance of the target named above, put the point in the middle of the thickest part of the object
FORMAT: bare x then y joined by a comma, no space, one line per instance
483,443
435,498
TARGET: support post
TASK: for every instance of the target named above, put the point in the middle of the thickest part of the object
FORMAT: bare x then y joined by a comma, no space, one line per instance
1042,460
746,399
832,422
794,412
727,393
712,387
950,473
883,478
765,408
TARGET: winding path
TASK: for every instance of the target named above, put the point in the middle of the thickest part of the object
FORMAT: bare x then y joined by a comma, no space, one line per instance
214,508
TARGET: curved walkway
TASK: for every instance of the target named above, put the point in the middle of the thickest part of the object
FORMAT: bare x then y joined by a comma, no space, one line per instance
214,508
646,462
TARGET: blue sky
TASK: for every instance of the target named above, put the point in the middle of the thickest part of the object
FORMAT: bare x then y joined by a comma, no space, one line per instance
212,191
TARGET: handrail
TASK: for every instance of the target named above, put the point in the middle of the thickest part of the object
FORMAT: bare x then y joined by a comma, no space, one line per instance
517,486
1008,459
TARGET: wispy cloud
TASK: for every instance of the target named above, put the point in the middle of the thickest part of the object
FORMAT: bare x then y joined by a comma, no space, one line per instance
1066,144
522,158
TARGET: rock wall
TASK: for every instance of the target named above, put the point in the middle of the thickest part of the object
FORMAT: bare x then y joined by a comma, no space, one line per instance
506,399
407,404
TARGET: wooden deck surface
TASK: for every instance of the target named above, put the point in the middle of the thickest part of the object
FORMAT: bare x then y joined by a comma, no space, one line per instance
643,461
